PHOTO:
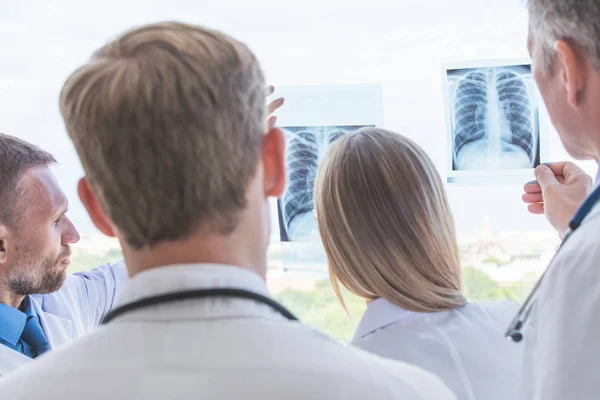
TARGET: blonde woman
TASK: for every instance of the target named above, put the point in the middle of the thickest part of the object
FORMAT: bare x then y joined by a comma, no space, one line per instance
389,237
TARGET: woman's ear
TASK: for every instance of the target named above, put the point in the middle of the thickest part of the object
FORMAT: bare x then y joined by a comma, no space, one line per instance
87,197
273,156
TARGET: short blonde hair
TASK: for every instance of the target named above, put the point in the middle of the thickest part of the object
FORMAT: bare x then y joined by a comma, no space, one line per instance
386,224
168,121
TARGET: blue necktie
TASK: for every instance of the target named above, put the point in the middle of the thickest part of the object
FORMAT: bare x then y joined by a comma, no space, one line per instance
34,336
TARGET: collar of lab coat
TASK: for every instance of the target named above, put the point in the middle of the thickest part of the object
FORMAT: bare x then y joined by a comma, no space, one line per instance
11,360
379,314
596,209
173,278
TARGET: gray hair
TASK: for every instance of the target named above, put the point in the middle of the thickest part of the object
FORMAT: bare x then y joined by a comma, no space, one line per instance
575,20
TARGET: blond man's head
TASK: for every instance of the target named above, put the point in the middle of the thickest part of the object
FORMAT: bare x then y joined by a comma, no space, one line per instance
168,121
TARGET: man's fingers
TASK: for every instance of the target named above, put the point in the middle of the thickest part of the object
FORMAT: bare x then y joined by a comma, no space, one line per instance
558,168
570,169
536,208
532,187
271,121
564,170
545,176
533,198
274,105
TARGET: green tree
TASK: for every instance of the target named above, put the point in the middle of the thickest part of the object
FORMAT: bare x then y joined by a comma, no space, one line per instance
85,261
520,290
321,309
478,286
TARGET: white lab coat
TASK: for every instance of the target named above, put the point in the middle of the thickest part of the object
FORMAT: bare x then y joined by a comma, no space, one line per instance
215,348
77,307
465,347
562,336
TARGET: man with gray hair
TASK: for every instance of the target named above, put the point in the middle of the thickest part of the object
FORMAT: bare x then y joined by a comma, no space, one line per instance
168,121
563,334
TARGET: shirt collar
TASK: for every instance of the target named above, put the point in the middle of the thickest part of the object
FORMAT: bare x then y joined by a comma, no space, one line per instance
12,321
28,307
174,278
379,314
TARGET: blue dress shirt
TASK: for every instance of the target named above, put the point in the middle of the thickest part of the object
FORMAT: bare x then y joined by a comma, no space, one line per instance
21,330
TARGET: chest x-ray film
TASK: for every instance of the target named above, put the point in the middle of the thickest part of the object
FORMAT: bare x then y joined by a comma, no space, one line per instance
312,118
493,120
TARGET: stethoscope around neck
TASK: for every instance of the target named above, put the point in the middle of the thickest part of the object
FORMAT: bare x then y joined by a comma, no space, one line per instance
198,294
515,328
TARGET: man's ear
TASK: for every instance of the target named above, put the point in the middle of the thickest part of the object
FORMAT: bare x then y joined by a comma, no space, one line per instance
273,156
93,208
4,242
572,70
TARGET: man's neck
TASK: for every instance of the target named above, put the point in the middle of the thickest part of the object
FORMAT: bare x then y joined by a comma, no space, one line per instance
196,250
10,299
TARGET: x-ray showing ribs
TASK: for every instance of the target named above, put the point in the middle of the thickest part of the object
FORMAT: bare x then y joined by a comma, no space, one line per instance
494,121
303,161
306,147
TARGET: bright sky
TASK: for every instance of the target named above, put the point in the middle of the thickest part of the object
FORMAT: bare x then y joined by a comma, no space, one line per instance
400,44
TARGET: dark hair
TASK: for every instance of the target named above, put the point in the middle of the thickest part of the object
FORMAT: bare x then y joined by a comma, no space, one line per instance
16,157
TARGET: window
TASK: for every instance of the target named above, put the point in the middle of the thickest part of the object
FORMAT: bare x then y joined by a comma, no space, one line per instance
400,45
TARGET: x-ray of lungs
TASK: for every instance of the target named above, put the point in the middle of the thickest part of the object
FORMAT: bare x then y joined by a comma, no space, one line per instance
306,147
312,119
493,118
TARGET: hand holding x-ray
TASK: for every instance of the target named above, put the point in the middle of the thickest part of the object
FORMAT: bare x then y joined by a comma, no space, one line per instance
560,189
495,120
272,107
313,118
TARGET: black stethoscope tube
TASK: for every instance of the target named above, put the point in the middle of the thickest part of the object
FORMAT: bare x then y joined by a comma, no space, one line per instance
198,294
515,328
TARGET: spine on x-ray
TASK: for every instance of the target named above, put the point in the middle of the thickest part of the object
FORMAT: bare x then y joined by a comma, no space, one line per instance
302,161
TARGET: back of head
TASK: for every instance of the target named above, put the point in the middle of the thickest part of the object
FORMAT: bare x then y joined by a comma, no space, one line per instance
168,121
564,46
16,157
385,222
575,20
